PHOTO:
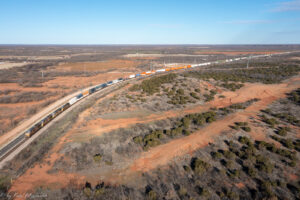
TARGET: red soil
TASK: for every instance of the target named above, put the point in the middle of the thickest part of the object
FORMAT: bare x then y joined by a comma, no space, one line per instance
162,154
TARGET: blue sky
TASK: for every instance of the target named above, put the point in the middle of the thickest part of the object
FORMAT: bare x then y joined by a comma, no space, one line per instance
149,22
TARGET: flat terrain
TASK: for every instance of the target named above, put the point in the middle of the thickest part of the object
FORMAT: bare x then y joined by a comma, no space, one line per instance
219,132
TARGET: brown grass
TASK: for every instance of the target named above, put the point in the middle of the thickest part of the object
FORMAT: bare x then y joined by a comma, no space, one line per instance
99,66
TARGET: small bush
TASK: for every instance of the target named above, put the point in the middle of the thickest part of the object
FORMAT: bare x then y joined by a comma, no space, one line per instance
138,140
246,128
282,131
152,195
203,192
229,155
97,157
216,155
199,166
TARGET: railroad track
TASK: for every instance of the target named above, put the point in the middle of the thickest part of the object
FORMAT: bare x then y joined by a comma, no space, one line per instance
20,139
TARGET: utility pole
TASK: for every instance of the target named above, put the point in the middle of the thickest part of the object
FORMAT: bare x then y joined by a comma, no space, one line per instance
248,62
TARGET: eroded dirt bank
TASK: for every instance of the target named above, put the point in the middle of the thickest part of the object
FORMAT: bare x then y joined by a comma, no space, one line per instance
162,154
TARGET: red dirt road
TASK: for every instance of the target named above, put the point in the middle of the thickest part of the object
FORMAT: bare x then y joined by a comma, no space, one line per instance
163,154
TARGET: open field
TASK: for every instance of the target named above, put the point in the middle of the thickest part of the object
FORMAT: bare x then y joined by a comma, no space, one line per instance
7,65
233,53
219,132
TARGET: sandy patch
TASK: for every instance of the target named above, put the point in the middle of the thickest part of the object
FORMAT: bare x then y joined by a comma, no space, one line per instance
8,65
98,66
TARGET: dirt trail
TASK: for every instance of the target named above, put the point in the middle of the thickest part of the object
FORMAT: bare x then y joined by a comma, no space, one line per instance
39,176
265,92
59,81
13,133
163,154
160,155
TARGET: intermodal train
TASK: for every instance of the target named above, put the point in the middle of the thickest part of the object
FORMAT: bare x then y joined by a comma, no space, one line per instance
36,127
31,131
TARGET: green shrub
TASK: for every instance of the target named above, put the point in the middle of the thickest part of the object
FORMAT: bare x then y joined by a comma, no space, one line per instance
216,155
265,165
292,163
99,192
246,128
251,172
237,106
194,95
97,157
241,123
287,143
230,194
261,145
295,96
186,132
244,140
282,131
199,166
266,187
152,195
87,192
267,75
182,191
271,121
228,164
232,86
186,122
138,139
152,85
228,154
203,192
235,174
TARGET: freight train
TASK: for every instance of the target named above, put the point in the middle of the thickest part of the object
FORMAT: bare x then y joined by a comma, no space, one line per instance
36,127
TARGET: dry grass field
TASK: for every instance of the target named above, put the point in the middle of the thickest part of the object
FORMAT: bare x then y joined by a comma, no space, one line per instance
223,132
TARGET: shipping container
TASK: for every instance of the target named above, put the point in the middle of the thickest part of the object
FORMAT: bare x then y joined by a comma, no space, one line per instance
115,81
161,70
85,93
79,96
131,76
73,100
92,90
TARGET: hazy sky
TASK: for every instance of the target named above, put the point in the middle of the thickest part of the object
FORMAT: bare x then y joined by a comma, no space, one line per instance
149,22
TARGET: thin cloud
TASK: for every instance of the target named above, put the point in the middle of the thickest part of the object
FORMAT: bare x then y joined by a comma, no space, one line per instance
287,6
248,22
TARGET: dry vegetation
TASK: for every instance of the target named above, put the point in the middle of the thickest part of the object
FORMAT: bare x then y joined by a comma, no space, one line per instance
255,156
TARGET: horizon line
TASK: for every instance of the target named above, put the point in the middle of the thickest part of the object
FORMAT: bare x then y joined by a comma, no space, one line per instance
60,44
